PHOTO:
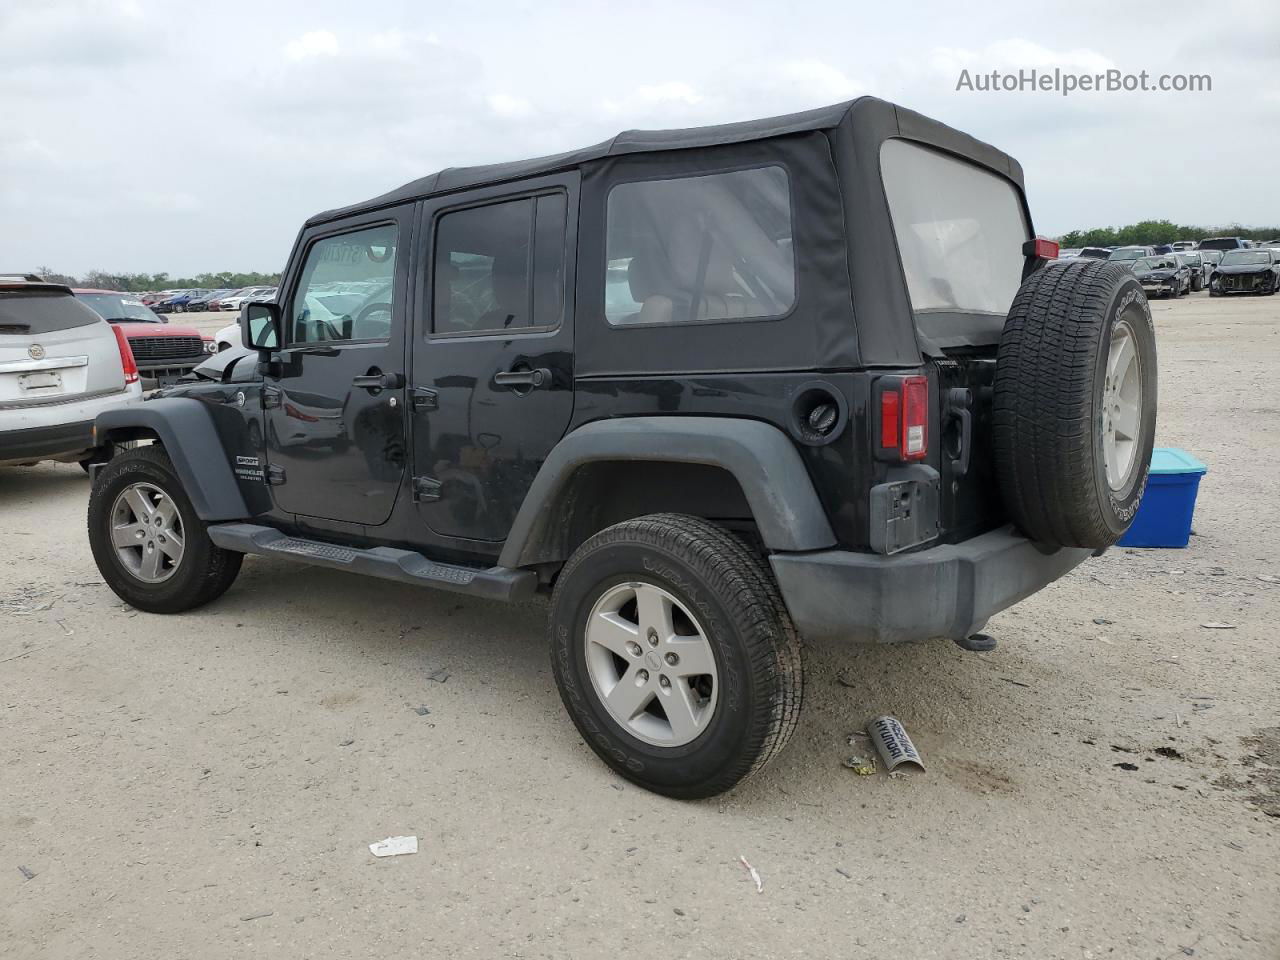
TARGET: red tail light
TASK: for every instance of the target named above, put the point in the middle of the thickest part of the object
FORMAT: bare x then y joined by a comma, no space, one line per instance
1041,247
915,418
127,362
904,417
890,420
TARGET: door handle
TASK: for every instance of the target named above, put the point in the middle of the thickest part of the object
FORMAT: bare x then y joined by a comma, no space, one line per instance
532,379
959,400
374,380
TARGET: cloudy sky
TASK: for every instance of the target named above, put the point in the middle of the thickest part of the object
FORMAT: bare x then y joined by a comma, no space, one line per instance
183,136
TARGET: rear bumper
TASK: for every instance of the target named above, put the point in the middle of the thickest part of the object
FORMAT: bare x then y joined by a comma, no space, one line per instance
45,443
56,430
945,591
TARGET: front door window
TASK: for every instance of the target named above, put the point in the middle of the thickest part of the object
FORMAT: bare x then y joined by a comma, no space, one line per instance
346,288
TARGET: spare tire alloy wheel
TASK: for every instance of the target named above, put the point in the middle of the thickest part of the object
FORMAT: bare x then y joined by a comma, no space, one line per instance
1074,410
1122,408
146,531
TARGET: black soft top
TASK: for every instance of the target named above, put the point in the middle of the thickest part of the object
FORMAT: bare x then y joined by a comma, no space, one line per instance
870,111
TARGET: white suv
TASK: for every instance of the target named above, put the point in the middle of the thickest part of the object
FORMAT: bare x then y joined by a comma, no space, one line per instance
60,366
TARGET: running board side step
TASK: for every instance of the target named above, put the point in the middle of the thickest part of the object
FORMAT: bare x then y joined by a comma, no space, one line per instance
495,583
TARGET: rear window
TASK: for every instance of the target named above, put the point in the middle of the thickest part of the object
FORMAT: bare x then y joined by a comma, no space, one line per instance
960,230
35,312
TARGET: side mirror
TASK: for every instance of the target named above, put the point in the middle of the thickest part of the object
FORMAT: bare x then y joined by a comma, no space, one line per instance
260,326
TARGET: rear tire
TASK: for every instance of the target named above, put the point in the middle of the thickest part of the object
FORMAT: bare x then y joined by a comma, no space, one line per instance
743,694
1075,404
150,546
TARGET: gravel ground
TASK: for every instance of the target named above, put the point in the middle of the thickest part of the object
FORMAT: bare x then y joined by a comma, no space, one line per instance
207,785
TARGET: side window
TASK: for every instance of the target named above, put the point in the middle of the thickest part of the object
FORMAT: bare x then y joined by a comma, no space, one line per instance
712,247
346,291
500,266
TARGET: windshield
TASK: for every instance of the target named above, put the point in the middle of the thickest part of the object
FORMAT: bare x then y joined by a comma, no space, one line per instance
118,306
1128,253
1237,257
1220,243
1154,263
960,230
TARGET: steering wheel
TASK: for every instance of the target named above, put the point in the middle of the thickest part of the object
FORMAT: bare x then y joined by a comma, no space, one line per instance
372,310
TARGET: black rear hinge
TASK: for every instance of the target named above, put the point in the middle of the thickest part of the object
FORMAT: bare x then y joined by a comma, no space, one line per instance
275,475
426,489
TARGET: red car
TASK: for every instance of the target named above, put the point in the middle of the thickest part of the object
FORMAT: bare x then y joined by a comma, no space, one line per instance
164,351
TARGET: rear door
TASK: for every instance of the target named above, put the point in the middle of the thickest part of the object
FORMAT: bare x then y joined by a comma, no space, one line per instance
959,229
335,436
53,348
492,352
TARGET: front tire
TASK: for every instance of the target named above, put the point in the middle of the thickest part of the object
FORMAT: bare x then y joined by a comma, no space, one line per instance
151,548
674,654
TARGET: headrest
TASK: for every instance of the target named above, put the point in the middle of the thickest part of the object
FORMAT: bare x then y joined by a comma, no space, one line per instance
646,277
687,243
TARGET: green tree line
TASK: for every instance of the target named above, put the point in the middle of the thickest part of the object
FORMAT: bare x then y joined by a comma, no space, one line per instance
145,282
1152,232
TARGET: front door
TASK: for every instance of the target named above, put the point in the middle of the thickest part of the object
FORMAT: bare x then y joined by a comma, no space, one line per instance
492,354
334,398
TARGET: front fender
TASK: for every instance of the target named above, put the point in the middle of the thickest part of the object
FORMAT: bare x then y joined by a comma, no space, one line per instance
760,457
186,429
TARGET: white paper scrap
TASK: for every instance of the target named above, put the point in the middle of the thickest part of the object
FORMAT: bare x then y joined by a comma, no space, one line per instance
394,846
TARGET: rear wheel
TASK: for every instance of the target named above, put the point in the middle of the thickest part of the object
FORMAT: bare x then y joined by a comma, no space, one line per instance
1075,404
674,654
150,546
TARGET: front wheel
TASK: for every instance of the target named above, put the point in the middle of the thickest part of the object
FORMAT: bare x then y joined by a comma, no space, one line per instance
674,654
150,546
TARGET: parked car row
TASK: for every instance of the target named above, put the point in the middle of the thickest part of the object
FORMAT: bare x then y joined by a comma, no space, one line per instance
199,300
1220,263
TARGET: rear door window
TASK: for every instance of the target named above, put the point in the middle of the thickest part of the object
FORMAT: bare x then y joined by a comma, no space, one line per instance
35,312
960,230
500,267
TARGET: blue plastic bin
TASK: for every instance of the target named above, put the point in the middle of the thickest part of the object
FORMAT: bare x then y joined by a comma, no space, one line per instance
1164,518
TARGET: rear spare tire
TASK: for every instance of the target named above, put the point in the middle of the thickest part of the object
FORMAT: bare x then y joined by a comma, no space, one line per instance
1074,411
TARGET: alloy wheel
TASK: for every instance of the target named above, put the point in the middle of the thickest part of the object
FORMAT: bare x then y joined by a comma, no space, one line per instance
1121,408
147,533
651,664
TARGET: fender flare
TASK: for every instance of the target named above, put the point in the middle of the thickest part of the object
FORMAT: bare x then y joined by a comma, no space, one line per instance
760,457
190,438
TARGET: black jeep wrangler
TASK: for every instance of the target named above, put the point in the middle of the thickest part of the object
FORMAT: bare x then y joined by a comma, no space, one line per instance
714,390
